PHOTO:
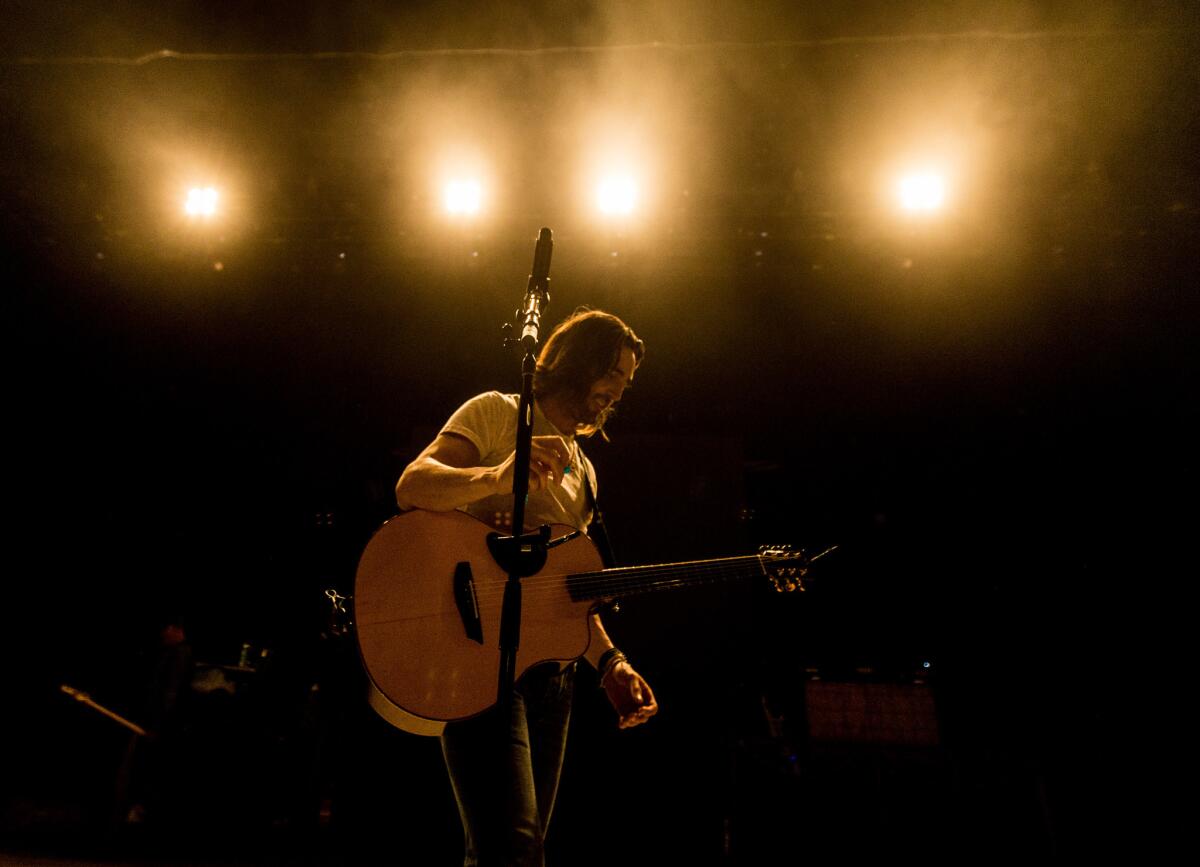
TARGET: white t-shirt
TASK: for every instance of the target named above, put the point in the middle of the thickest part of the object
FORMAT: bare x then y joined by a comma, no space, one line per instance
489,421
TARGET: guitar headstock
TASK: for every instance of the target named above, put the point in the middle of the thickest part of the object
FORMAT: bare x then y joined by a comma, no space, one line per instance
787,567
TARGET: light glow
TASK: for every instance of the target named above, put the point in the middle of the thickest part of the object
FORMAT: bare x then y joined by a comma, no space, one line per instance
617,195
202,202
921,192
462,197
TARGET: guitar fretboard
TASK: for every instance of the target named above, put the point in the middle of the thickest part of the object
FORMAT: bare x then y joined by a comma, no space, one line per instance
629,580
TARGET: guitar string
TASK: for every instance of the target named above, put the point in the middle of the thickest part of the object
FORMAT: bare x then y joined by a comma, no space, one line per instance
630,576
595,585
602,583
543,595
545,591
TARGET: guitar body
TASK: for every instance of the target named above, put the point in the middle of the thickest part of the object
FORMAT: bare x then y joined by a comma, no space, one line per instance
416,623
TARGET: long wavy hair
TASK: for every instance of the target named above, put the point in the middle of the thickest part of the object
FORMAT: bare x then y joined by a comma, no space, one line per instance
584,347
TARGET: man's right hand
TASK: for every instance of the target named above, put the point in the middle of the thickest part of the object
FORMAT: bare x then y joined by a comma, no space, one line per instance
549,457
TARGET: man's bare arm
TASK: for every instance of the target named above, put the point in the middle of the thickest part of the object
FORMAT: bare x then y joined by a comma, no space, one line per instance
447,474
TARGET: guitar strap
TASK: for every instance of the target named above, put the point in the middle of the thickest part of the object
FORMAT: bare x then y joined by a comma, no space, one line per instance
597,529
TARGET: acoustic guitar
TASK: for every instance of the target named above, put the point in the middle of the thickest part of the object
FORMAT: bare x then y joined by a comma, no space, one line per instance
427,600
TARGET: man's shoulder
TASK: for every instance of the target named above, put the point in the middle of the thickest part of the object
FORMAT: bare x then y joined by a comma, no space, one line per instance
487,420
491,402
499,397
488,406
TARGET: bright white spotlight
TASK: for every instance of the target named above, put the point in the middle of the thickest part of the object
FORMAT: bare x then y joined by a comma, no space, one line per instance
462,197
922,192
201,202
616,195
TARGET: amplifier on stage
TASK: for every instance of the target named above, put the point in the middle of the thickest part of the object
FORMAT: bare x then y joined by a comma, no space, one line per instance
885,714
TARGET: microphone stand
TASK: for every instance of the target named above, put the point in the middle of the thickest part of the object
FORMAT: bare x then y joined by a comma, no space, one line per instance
523,554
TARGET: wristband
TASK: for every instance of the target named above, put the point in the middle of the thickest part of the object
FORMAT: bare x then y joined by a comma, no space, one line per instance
608,661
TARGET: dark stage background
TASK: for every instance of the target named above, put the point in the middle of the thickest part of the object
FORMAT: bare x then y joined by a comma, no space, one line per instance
991,411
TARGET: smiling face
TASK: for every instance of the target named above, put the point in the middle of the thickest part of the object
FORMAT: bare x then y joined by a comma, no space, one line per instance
583,370
607,391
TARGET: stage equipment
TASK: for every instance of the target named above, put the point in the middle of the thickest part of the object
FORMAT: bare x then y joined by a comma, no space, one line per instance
84,698
523,554
882,714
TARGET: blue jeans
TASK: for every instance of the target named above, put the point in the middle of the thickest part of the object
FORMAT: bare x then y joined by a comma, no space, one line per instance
505,770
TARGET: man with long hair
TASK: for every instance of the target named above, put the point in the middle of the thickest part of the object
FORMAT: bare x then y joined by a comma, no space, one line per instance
505,787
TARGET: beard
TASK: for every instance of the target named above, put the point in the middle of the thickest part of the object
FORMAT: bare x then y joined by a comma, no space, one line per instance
591,414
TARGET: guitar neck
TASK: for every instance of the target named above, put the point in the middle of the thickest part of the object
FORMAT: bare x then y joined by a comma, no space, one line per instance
630,580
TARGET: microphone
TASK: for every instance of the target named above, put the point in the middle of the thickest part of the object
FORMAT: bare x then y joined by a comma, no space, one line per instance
537,294
540,278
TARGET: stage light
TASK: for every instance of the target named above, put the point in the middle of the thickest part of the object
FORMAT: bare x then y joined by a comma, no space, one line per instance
462,198
202,202
616,195
921,192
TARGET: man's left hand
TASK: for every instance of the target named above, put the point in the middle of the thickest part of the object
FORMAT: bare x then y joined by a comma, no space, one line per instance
630,695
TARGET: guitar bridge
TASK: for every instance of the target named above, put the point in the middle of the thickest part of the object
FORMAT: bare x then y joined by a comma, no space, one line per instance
468,605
